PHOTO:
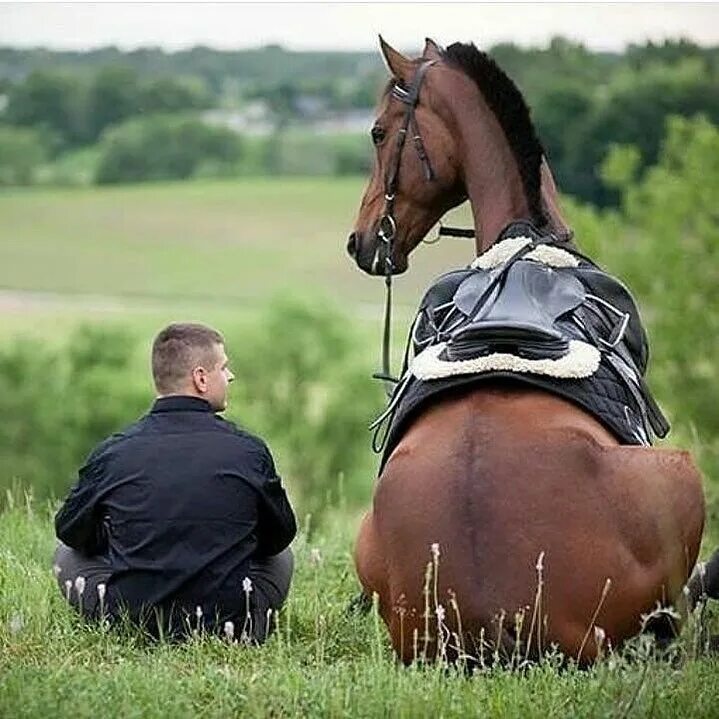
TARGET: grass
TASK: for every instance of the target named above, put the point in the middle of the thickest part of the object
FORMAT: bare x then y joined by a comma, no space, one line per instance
234,242
323,661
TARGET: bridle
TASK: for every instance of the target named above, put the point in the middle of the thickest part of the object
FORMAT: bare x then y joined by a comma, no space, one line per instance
387,227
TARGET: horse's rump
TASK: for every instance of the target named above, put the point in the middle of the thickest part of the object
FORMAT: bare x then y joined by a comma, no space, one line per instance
504,478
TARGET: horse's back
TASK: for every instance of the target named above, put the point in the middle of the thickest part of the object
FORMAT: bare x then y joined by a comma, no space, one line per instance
502,477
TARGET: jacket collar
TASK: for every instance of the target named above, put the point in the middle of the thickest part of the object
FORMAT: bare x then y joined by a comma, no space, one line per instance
180,403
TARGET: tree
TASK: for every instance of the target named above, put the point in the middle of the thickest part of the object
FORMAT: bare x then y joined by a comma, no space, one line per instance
164,147
21,152
633,109
113,96
52,101
170,94
672,219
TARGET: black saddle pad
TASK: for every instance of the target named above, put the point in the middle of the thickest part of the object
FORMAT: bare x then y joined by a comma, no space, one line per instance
603,395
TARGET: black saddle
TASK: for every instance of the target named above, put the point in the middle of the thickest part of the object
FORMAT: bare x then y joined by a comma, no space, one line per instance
532,310
514,310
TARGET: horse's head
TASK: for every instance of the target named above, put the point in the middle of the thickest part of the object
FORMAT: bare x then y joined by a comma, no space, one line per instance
416,176
451,126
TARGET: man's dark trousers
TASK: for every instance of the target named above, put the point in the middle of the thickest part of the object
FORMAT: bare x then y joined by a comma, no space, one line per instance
271,579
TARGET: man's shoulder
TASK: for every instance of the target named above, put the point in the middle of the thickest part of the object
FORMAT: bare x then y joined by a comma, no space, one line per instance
250,450
115,440
239,434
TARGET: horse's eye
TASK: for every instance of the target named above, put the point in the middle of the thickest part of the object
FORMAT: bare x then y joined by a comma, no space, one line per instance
377,135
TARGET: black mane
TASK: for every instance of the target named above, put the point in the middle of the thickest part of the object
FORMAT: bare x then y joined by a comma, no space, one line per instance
507,103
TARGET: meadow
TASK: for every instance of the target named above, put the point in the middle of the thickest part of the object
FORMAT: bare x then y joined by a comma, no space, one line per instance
323,661
130,259
220,246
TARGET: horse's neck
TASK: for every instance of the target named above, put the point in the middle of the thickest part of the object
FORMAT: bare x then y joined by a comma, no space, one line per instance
493,182
550,200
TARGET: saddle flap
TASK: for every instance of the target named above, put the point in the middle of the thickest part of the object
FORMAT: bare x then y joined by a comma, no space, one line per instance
471,292
533,294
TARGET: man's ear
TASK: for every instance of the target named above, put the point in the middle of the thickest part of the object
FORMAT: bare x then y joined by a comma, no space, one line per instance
432,51
199,379
400,66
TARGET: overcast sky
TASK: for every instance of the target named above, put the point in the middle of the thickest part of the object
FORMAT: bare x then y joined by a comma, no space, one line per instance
345,26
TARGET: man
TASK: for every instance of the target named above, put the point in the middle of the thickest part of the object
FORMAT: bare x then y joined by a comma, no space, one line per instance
179,522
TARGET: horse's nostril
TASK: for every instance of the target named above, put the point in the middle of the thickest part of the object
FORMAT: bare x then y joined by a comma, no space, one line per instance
352,244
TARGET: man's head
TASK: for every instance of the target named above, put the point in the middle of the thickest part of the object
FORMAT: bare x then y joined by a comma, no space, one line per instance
190,359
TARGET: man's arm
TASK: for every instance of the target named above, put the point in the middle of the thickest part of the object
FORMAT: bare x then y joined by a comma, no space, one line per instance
276,526
78,523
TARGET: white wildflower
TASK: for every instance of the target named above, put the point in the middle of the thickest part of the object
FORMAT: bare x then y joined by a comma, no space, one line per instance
435,550
246,585
315,557
68,588
101,589
229,631
198,612
599,636
80,585
439,611
56,570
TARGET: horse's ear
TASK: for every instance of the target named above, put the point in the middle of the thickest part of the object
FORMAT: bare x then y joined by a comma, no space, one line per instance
400,66
432,51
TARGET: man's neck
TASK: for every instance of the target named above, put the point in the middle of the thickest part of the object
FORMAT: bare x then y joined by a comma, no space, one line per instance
187,393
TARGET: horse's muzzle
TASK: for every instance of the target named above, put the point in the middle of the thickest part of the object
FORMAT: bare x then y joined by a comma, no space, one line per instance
352,243
371,257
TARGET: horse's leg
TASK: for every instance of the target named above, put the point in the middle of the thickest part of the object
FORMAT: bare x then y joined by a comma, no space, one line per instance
369,562
702,586
670,483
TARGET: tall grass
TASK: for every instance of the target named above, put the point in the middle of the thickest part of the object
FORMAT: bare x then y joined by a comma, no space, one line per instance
322,661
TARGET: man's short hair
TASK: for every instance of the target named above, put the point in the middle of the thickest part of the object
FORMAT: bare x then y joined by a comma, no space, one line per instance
178,349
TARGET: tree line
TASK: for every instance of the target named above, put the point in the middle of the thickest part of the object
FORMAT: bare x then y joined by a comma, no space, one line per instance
124,103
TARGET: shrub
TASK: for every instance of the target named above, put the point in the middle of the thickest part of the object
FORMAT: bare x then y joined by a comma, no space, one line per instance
303,381
22,151
163,147
57,403
301,384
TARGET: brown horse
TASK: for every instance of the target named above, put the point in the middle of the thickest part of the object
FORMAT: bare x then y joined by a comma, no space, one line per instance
505,515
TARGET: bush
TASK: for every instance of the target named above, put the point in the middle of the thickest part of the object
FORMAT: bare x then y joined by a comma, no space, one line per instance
75,168
164,147
301,384
22,151
303,379
56,404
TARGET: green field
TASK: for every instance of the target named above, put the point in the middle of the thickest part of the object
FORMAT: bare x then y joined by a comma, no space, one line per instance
201,249
323,661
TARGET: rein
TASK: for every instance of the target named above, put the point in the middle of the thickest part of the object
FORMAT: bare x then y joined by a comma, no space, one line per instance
387,230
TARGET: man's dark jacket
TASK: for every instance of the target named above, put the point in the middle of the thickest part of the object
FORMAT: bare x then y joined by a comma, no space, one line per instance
178,504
